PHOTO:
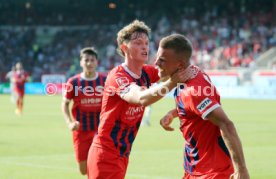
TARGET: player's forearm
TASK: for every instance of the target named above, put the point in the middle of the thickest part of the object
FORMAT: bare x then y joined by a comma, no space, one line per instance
153,94
66,112
234,146
173,112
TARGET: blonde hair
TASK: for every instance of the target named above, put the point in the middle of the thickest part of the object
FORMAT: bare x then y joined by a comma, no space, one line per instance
125,33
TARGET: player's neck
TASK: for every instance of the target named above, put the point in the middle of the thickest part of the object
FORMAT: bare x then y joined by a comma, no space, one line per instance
134,67
89,74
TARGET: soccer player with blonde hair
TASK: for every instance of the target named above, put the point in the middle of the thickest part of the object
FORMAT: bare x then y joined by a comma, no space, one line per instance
127,92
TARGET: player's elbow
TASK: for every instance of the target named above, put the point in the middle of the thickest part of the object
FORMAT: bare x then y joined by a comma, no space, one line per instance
144,102
64,105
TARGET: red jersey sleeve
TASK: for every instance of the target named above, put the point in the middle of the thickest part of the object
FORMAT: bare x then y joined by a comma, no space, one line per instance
119,83
203,101
69,92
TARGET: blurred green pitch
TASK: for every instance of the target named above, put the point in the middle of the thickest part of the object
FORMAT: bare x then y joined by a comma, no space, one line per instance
39,145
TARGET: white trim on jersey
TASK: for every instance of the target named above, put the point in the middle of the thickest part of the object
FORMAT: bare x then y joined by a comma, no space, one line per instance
130,72
203,116
89,79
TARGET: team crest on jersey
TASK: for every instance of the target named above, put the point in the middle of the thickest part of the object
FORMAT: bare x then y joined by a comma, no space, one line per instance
122,81
204,104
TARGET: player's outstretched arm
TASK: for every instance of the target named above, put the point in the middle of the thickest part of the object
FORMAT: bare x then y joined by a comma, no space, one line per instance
145,97
72,125
166,121
232,141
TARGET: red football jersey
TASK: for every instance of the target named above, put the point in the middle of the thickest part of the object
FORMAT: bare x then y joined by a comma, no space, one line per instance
19,79
87,99
205,151
121,120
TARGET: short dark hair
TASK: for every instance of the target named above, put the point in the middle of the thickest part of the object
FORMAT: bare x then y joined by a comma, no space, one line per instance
90,51
179,43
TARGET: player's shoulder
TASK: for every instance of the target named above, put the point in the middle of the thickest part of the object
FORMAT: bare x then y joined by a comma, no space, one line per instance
117,69
147,67
198,78
118,77
102,74
152,72
117,72
74,77
195,83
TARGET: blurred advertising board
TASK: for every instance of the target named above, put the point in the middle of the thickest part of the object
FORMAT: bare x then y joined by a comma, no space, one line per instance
224,78
4,88
35,88
53,78
248,92
265,79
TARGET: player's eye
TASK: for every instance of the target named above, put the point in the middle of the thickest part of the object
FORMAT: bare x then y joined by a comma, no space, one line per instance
162,60
137,42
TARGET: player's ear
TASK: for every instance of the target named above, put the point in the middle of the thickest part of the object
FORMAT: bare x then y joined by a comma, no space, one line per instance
181,65
123,47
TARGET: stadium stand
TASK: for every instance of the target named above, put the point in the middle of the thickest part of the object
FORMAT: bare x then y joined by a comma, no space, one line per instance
47,37
267,59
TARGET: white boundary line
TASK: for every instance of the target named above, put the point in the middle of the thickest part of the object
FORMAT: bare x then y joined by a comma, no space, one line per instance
140,176
38,166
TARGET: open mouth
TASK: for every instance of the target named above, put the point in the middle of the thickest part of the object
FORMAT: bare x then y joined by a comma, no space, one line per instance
145,54
89,68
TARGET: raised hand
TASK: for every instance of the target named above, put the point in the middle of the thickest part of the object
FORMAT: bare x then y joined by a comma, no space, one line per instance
182,75
166,121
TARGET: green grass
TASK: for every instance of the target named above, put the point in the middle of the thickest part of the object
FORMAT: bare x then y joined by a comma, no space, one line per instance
39,145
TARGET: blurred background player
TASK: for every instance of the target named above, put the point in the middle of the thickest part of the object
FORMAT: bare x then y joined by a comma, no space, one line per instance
19,78
85,89
9,76
148,109
146,116
212,145
124,99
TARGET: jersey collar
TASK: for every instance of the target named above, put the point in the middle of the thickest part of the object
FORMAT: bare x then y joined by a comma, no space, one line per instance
130,72
89,79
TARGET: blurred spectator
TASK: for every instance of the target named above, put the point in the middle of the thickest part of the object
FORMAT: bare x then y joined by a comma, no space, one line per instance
224,35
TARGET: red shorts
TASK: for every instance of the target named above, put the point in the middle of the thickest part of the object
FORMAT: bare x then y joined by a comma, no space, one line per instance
103,164
219,175
82,141
19,93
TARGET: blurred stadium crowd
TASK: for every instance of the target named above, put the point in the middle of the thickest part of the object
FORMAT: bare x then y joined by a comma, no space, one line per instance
47,36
